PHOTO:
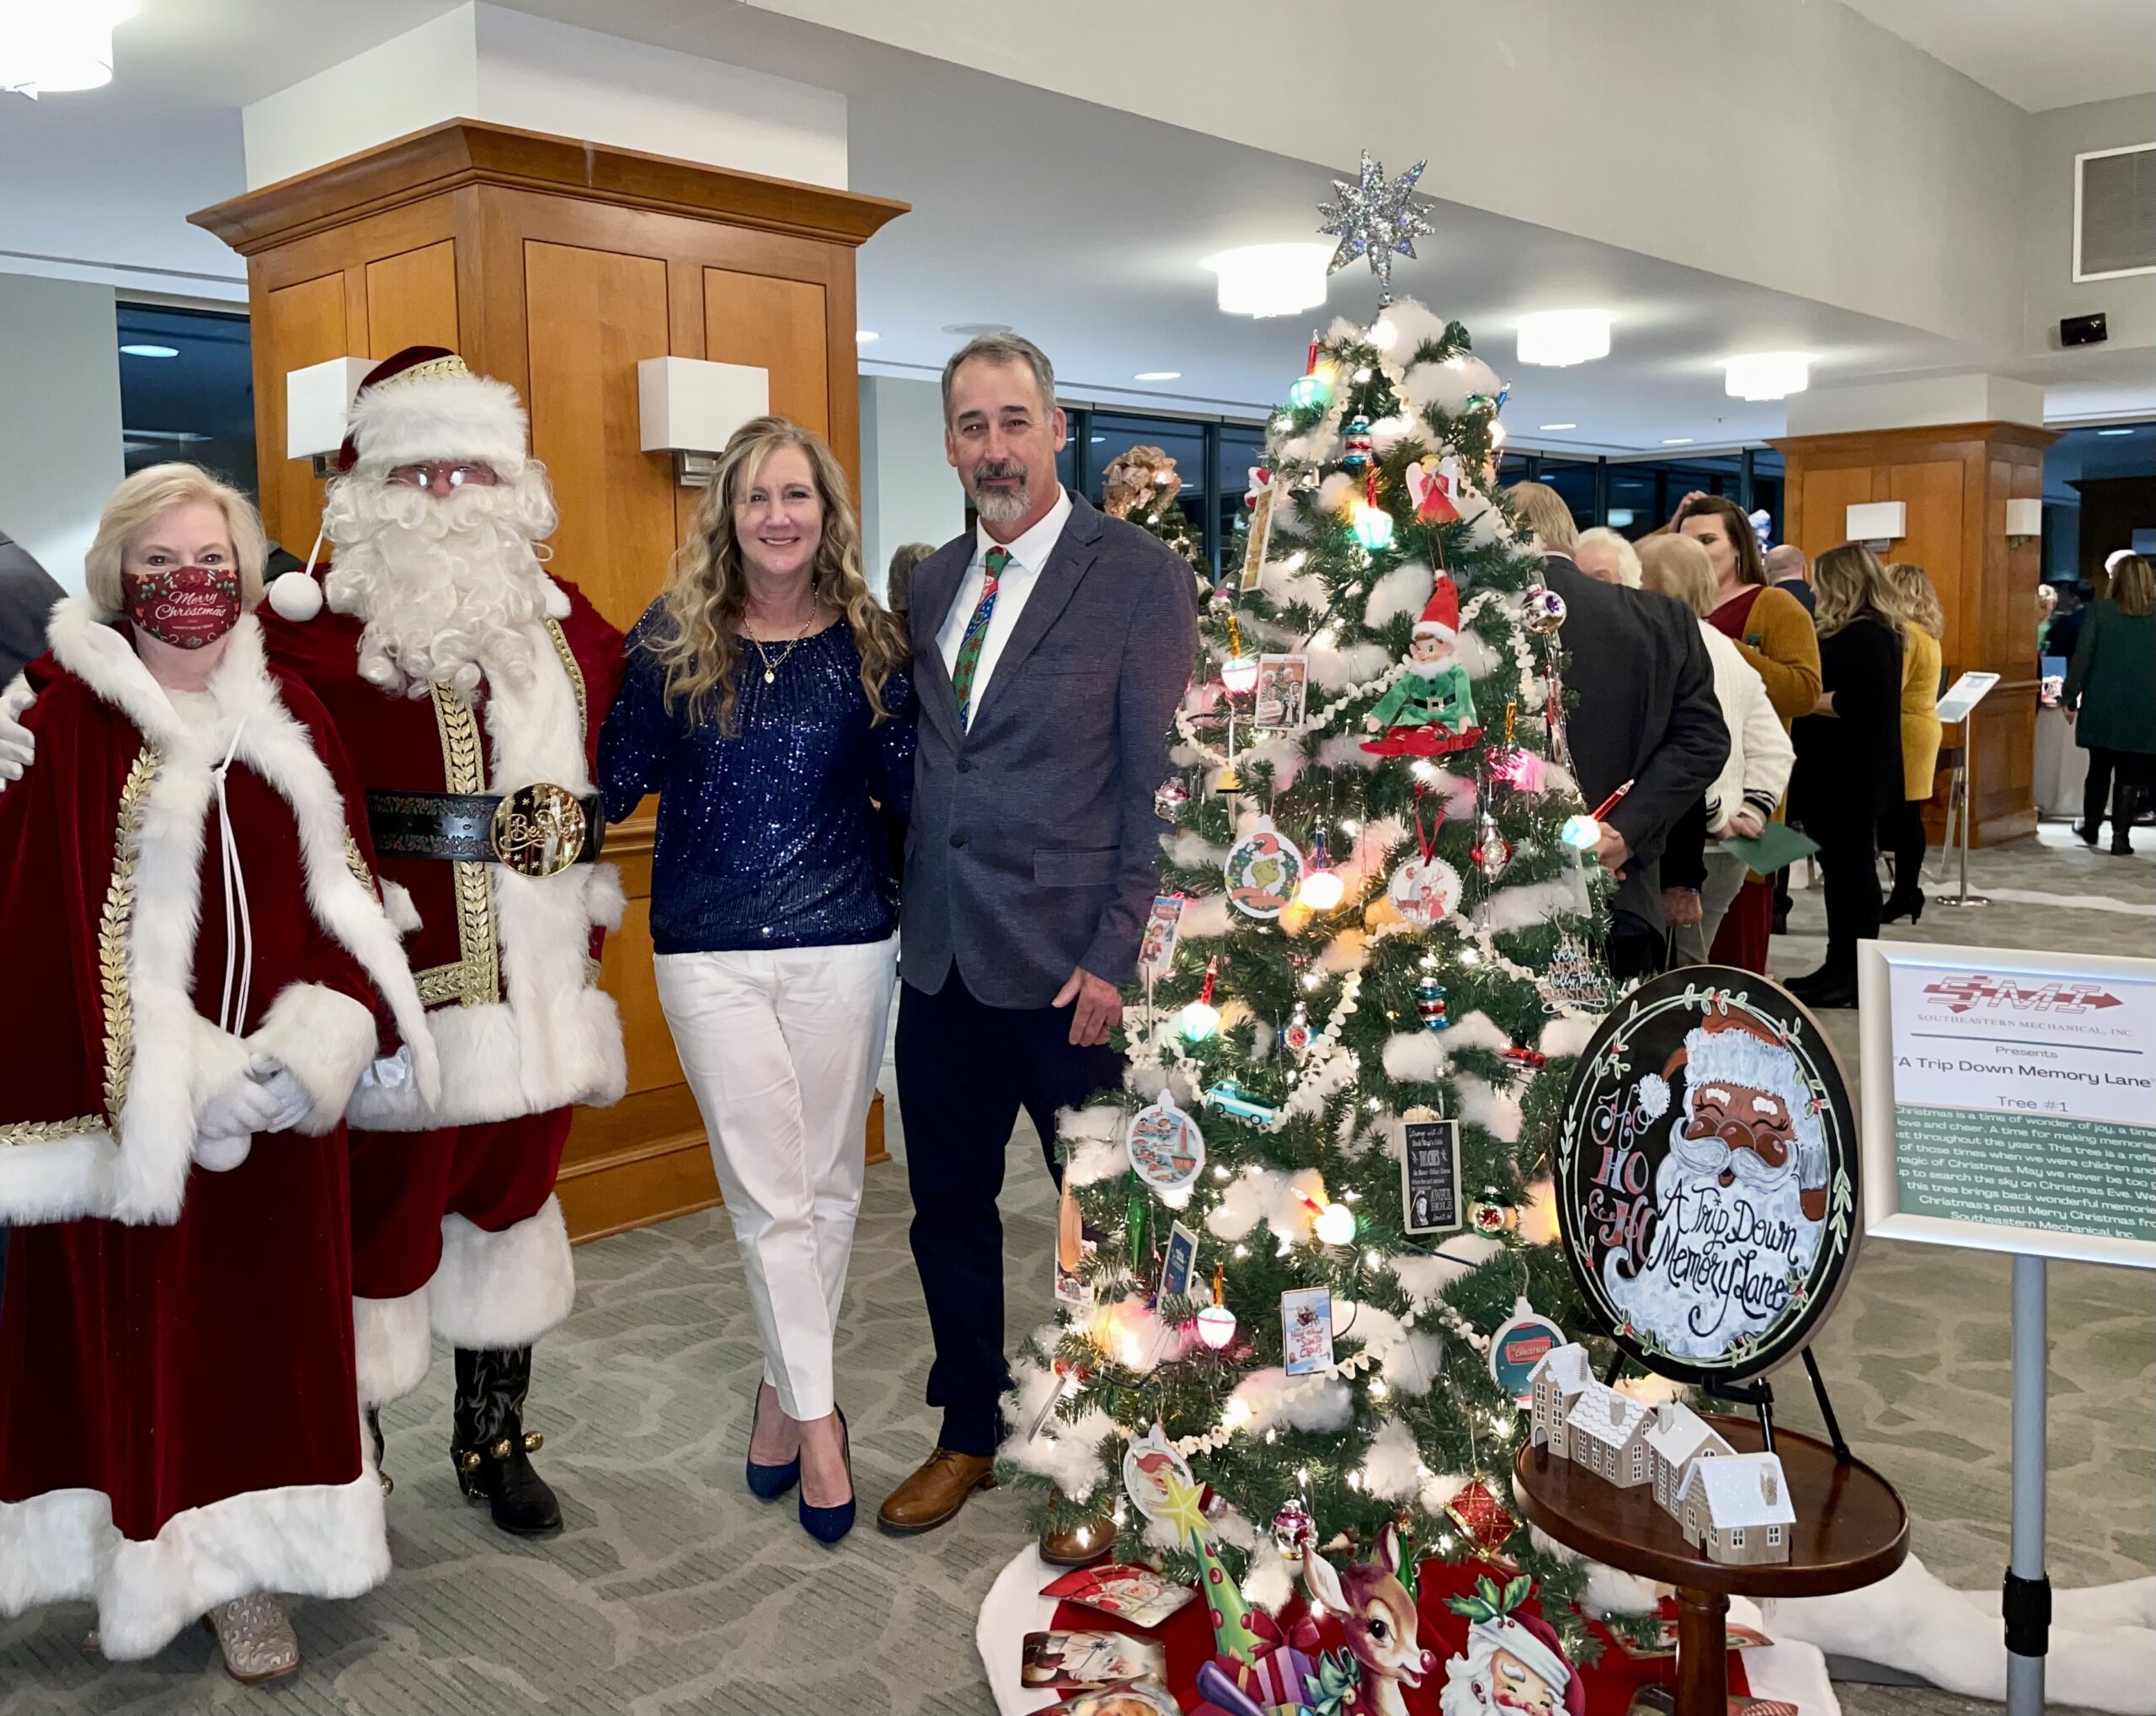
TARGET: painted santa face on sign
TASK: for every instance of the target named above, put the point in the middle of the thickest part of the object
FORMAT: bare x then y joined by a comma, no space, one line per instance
1516,1686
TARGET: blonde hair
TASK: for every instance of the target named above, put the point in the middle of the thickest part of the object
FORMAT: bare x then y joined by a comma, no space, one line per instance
1628,557
1849,583
1679,567
1546,515
1914,599
707,596
2133,585
153,491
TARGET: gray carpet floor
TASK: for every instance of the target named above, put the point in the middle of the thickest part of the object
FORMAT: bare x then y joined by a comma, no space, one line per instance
673,1591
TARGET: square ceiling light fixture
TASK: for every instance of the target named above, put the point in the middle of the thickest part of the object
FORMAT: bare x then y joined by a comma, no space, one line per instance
47,49
1271,280
1557,338
1767,375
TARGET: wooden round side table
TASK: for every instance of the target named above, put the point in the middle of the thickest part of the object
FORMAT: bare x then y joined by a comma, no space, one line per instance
1851,1531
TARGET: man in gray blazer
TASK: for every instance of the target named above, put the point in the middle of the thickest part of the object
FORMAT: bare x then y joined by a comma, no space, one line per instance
1050,646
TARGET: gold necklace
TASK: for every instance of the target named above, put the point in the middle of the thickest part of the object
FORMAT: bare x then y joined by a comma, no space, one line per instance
771,667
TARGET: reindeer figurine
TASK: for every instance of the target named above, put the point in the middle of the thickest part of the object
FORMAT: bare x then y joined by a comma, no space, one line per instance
1379,1619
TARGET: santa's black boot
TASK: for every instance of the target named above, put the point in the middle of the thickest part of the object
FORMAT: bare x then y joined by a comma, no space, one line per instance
491,1447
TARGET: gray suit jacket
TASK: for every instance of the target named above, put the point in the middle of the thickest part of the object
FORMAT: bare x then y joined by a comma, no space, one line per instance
1033,837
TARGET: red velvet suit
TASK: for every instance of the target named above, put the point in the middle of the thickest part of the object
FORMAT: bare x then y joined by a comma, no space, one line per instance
454,1225
178,1414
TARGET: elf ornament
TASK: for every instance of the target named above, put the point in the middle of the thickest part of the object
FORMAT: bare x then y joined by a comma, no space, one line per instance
1430,709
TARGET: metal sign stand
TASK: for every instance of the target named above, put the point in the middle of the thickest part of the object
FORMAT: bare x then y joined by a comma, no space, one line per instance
2027,1600
1957,828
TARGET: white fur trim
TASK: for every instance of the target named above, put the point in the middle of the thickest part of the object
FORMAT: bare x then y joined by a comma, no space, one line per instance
555,599
397,902
506,1289
555,1039
295,595
180,1059
1404,590
395,1342
441,417
1570,1034
324,1039
308,1540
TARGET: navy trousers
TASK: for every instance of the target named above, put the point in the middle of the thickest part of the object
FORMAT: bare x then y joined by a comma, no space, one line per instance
965,1069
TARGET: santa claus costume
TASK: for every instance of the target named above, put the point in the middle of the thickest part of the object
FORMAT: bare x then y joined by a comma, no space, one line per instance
468,688
179,1426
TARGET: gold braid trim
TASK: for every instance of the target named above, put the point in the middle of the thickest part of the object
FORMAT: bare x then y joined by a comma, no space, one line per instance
48,1131
576,677
355,862
113,924
464,771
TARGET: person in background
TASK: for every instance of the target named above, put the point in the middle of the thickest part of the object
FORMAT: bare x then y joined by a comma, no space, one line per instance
1901,829
767,702
27,594
179,1415
1051,645
1849,757
1775,632
1646,714
1788,570
2047,611
2110,698
1607,556
1543,508
1745,795
898,582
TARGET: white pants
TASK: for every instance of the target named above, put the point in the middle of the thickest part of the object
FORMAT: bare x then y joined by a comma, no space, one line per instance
781,1050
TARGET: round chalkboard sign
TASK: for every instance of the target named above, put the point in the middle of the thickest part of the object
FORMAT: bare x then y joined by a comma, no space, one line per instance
1707,1175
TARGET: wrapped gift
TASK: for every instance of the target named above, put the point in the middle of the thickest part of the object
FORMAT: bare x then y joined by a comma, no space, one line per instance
1286,1657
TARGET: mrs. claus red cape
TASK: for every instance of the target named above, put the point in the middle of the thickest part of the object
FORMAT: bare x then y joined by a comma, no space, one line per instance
179,1417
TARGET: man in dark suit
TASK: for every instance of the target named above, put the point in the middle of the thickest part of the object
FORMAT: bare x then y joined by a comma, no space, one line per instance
1646,714
1788,570
27,593
1050,647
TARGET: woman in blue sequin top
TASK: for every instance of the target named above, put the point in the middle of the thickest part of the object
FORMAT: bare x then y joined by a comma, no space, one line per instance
767,702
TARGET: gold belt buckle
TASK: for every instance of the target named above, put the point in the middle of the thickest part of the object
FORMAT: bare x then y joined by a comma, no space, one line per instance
539,830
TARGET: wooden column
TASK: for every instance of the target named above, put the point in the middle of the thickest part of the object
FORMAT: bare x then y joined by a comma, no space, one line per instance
556,266
1956,481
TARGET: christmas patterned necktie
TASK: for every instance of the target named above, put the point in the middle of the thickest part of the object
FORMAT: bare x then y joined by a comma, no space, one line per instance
968,661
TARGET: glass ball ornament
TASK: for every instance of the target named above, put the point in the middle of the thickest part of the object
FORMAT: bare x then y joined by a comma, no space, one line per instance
1431,1005
1239,673
1199,1021
1320,889
1292,1528
1335,1225
1170,799
1216,1326
1373,526
1493,852
1543,611
1308,392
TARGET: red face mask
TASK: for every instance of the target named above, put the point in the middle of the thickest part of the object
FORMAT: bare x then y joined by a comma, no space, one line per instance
186,607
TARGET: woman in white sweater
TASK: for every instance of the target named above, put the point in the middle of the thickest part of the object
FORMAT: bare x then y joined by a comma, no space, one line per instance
1743,798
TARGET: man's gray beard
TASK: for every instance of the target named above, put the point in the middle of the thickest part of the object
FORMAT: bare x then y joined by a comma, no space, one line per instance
997,507
446,589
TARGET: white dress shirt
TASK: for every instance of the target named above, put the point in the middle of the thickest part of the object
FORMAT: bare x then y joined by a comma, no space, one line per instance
1029,553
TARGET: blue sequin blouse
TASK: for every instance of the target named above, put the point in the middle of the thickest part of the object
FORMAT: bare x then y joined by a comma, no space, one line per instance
767,839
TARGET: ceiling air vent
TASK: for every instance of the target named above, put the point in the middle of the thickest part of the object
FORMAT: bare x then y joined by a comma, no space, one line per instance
2114,212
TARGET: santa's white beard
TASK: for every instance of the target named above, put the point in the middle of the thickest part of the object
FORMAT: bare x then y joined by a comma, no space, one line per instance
446,589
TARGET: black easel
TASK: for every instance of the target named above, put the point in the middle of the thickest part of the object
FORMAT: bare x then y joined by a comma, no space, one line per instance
1760,1395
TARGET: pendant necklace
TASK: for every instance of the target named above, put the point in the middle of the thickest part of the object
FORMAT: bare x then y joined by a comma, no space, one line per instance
771,667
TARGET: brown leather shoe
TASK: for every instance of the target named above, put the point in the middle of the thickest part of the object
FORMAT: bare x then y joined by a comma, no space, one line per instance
936,1492
1081,1545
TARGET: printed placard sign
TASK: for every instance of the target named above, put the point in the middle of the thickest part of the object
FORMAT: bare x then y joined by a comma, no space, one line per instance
1306,1330
1429,1176
1707,1175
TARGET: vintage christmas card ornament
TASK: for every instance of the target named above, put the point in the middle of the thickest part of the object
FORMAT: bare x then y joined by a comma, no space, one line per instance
1429,1173
1424,890
1166,1148
1282,692
1306,1330
1156,946
1512,1660
1263,870
1519,1345
1707,1175
1429,711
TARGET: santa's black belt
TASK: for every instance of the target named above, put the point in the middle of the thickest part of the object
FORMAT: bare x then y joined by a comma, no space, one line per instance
536,831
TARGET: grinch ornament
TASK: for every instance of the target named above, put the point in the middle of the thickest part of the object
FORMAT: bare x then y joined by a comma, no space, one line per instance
1430,709
1264,868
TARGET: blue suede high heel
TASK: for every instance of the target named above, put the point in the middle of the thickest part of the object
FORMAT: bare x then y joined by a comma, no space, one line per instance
827,1525
769,1482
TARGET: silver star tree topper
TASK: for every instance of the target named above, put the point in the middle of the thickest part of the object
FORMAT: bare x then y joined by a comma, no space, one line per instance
1374,218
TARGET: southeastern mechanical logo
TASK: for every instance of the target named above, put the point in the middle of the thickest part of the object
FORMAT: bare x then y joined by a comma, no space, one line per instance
2021,995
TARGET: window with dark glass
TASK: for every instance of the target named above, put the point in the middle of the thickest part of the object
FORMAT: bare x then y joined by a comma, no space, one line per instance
187,390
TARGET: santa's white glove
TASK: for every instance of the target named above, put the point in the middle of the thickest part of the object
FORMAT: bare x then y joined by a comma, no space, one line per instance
294,1104
18,744
241,1108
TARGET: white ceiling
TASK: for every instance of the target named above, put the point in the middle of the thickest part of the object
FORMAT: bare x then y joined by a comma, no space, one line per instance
2038,54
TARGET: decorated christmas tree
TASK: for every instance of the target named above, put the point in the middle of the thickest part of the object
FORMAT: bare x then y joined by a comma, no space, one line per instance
1325,1257
1142,484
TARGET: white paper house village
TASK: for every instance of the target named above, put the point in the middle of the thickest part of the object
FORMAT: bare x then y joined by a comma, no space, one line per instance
1738,1511
1593,1426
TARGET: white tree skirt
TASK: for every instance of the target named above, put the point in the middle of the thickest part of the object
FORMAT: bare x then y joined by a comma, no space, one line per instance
1794,1674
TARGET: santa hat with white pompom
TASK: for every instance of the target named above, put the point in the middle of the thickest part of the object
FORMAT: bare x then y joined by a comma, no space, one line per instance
1731,1048
1441,614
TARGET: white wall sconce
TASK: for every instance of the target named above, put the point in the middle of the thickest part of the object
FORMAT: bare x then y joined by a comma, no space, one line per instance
1270,280
2024,518
1875,523
317,401
690,407
1767,375
1559,337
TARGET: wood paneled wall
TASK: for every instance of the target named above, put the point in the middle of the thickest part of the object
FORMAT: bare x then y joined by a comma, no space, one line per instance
1955,482
556,266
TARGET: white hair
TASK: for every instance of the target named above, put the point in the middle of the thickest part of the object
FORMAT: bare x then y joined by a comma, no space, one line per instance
446,589
1627,557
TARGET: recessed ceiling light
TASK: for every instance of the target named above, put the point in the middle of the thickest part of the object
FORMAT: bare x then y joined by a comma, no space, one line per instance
1679,441
1767,375
1552,426
974,330
149,351
1158,376
1561,337
2115,432
862,336
1271,280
